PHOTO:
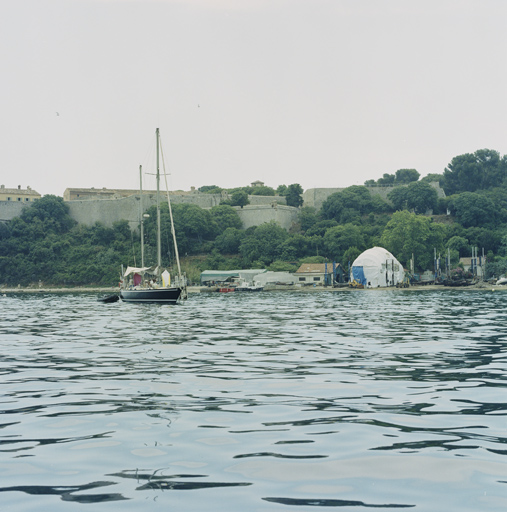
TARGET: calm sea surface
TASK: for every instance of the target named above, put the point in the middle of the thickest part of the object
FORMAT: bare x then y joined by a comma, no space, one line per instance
255,402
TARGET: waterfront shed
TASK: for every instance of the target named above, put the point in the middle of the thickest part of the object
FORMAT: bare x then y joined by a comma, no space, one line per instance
377,267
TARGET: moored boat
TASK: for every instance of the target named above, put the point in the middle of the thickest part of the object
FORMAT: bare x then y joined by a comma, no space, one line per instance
153,284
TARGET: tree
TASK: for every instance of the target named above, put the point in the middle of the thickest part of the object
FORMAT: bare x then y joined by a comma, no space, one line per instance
293,195
459,244
473,209
387,180
350,203
52,213
405,176
398,196
229,241
407,233
332,207
225,216
239,198
281,190
340,238
433,178
210,189
350,255
307,218
471,172
295,247
421,197
263,191
264,243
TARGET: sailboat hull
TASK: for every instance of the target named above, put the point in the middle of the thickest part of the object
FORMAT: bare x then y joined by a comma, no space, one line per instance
160,295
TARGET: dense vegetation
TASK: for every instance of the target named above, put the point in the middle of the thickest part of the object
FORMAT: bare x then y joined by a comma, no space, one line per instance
45,244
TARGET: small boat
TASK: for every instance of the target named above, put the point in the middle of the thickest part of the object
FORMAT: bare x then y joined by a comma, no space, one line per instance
226,289
153,284
109,298
502,281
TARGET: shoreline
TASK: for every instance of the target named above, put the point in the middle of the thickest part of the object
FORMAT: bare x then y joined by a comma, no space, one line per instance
276,288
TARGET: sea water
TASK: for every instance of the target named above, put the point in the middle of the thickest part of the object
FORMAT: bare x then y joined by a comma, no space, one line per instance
265,401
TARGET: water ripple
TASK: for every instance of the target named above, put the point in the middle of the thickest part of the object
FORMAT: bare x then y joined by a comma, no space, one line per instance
375,399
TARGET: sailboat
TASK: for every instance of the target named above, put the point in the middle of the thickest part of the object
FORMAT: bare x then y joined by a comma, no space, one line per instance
153,284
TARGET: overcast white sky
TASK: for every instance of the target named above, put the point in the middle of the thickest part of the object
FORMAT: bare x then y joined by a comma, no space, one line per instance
325,93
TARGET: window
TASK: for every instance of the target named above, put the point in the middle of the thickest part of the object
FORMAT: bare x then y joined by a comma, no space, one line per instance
316,278
19,198
302,278
27,199
8,199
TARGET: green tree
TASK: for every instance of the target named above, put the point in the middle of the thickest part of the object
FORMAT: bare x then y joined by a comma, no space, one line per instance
387,180
473,209
239,198
307,218
296,246
407,233
349,256
263,191
281,190
210,189
405,176
421,197
350,203
52,213
294,195
471,172
458,244
229,241
340,238
263,244
398,196
225,216
433,178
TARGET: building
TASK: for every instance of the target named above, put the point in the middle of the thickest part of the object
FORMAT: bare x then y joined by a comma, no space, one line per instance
319,274
18,194
80,194
221,276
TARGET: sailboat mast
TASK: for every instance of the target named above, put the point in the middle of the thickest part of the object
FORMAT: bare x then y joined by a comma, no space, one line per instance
141,213
159,246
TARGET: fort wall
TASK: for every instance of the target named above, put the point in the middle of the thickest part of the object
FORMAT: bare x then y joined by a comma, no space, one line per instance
109,211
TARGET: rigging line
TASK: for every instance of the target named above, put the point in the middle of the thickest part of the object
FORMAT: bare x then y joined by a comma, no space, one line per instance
171,214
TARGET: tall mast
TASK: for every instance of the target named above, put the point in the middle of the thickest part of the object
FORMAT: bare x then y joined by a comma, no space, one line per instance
141,213
159,248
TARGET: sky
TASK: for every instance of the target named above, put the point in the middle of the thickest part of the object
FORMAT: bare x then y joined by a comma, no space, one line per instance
324,93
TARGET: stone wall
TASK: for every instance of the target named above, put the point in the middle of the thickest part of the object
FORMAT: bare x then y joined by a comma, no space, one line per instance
11,209
254,215
108,211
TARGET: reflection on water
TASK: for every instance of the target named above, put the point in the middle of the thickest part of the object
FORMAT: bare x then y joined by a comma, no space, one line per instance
271,401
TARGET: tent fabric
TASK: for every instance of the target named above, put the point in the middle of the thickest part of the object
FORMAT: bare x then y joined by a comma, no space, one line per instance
358,275
136,270
379,268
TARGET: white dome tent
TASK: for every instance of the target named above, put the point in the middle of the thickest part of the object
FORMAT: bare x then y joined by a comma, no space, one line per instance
377,267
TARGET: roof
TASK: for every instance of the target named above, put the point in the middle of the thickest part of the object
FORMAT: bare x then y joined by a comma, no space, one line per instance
316,268
25,191
223,275
374,257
